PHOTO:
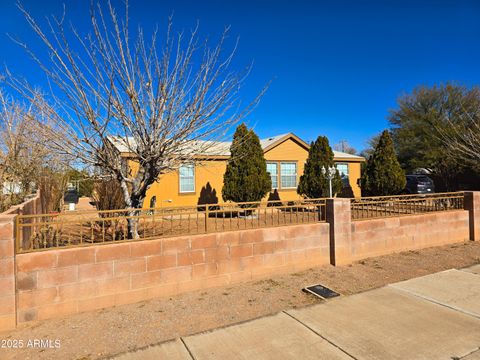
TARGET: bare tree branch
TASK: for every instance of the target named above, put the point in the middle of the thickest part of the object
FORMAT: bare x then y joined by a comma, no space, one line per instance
110,91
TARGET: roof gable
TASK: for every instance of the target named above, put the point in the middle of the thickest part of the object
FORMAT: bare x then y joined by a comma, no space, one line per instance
272,142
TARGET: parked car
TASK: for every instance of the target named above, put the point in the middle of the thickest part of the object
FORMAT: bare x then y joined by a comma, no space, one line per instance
419,184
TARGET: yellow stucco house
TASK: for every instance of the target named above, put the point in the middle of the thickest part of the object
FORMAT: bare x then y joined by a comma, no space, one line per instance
285,155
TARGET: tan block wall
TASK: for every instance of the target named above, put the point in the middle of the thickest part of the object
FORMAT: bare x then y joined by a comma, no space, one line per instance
339,218
7,259
59,282
472,204
7,273
29,207
389,235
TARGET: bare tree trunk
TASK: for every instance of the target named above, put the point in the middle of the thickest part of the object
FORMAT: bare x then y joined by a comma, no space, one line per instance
137,202
132,225
134,201
132,222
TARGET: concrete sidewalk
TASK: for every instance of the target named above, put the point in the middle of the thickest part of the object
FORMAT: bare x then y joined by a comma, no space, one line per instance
431,317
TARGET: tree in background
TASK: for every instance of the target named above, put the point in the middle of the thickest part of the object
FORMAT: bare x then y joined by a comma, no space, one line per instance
107,195
383,174
246,177
26,161
52,184
461,133
345,147
82,181
462,141
429,127
372,144
313,183
22,153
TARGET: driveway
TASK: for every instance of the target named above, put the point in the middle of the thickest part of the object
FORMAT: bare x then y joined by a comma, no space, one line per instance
431,317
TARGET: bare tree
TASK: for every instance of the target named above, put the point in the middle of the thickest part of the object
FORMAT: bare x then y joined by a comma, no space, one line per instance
462,139
21,157
113,94
25,158
345,147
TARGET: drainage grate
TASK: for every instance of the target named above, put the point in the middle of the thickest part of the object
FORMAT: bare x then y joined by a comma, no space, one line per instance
321,291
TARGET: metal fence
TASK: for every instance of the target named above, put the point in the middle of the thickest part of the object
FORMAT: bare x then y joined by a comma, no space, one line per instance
46,231
390,206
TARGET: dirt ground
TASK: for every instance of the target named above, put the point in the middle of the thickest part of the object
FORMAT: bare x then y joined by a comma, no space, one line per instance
103,333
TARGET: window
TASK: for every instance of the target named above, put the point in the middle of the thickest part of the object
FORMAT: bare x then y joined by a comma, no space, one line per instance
187,178
343,171
272,168
288,175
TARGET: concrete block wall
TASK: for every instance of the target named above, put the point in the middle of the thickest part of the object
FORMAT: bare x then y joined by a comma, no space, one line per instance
66,281
28,207
7,273
339,217
385,236
52,283
472,204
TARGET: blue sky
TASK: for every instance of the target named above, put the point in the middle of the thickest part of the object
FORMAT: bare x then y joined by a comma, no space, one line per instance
337,66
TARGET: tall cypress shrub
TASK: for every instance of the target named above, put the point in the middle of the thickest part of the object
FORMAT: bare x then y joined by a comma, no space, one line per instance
313,183
246,178
383,174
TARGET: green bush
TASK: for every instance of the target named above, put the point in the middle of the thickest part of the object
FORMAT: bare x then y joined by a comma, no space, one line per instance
246,177
383,174
313,183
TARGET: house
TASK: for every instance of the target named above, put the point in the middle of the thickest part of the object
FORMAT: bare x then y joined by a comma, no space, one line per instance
285,155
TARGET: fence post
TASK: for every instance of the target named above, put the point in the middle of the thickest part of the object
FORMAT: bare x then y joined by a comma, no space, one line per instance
471,203
340,220
206,218
8,316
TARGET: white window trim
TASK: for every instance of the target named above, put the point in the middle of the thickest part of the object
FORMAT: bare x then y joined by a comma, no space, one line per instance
277,175
296,175
348,168
180,181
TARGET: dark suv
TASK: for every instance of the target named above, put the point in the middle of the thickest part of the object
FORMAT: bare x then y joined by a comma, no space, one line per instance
419,184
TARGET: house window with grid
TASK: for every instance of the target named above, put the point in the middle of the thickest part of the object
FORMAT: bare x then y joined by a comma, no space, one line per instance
343,171
187,178
272,168
288,175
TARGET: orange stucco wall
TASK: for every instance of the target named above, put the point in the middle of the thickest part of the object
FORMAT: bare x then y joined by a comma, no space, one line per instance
167,189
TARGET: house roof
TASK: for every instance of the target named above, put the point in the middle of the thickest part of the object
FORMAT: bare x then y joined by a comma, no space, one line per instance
343,155
222,148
